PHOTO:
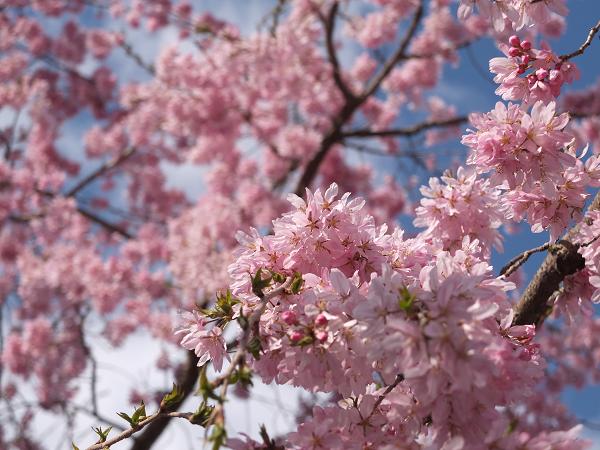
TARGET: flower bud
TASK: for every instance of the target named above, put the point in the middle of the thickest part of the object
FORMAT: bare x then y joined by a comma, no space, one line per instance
526,59
526,45
289,317
321,320
321,336
296,335
514,41
513,52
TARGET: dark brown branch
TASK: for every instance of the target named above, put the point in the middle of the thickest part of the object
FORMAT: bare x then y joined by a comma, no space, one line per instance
585,45
408,131
129,51
329,23
335,135
399,379
398,55
104,223
563,260
90,216
99,172
519,260
414,156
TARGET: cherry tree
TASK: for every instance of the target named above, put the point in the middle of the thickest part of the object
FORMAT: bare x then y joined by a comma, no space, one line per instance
288,265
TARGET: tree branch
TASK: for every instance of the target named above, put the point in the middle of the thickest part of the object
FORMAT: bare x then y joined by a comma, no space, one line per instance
129,51
104,223
408,131
109,165
329,23
399,379
131,431
186,382
585,45
563,260
396,57
352,104
240,354
519,260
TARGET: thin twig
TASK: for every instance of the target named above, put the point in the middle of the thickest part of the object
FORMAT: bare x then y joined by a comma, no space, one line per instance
329,23
399,379
412,155
131,431
104,223
585,45
398,55
240,354
408,131
350,106
99,172
563,261
519,260
129,51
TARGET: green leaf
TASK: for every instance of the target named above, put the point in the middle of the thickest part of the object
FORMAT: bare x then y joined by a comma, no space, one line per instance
139,414
297,283
102,434
306,340
202,414
172,398
259,283
264,435
74,446
204,387
242,320
245,376
126,417
278,277
218,436
406,299
254,347
222,310
242,376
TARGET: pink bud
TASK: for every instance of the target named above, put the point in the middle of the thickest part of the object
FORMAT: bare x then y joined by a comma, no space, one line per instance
541,74
514,41
526,45
526,59
295,336
321,336
513,52
289,317
321,320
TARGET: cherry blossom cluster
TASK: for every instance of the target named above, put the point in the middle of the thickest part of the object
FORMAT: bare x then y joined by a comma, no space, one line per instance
514,14
533,161
405,332
464,205
530,75
104,240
